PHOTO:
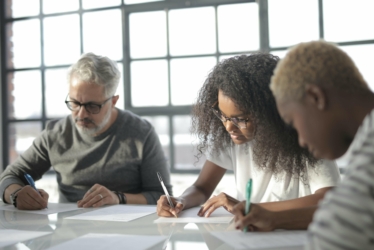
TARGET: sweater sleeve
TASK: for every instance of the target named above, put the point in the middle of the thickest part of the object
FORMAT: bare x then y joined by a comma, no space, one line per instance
154,161
34,161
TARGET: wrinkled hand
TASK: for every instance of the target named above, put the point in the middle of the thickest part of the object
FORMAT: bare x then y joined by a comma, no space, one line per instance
221,200
30,199
164,209
258,218
98,196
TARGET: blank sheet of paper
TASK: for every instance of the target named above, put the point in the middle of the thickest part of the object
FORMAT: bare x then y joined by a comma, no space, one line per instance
262,240
110,241
52,208
220,215
123,213
10,236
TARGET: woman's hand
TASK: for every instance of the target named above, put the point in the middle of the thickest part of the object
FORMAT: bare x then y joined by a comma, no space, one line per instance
258,218
165,210
98,196
221,200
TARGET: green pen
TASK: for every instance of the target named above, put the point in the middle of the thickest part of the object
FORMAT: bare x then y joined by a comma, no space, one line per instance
248,199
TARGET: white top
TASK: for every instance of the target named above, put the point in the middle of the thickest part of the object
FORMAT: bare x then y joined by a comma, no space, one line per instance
344,219
267,187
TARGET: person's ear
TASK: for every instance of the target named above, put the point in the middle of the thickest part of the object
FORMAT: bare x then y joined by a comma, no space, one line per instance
114,100
316,96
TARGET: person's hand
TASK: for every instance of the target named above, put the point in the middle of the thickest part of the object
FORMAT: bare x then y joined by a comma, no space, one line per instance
258,218
165,210
221,200
98,196
30,199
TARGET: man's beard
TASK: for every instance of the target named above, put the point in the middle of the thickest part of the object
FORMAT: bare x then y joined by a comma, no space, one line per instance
93,131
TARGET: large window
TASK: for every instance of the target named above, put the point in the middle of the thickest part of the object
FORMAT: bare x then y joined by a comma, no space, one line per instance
164,49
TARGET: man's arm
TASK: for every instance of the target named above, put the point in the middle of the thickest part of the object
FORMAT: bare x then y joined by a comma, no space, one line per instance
33,161
153,161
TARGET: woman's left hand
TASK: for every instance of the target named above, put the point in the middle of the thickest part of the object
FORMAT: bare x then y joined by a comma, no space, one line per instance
221,200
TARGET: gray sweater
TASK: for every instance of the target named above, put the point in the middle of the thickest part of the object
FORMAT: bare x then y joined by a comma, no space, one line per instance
124,158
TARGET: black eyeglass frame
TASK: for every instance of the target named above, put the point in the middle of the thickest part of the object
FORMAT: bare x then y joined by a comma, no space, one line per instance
224,119
99,106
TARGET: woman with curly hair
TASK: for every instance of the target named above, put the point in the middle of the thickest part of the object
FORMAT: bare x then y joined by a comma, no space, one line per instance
237,122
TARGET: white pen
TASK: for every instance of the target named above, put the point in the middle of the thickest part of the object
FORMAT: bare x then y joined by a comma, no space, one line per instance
165,190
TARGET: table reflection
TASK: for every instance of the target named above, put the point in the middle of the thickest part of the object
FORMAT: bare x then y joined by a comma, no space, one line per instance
179,236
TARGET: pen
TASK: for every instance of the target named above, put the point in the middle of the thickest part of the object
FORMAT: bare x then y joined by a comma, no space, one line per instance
165,190
248,199
31,182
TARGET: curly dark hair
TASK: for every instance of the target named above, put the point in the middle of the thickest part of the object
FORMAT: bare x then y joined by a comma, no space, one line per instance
245,79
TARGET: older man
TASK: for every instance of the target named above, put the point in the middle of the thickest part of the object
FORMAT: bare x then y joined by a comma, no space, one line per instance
101,155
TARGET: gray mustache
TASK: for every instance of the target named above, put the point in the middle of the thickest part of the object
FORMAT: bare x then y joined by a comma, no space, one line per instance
83,120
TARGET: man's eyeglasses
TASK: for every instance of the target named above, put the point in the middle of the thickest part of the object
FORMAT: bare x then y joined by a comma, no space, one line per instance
240,123
92,108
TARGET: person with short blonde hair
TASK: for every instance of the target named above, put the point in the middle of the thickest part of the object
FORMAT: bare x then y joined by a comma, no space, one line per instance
321,93
298,69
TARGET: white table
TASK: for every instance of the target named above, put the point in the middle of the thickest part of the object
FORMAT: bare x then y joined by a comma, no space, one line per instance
182,236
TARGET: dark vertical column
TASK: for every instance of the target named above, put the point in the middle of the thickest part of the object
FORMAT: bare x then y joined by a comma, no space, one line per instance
264,25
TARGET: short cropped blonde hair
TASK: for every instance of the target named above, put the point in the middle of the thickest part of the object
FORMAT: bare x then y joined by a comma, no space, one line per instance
317,62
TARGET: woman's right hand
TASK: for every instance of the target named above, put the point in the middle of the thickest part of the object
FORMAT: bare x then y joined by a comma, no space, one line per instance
165,210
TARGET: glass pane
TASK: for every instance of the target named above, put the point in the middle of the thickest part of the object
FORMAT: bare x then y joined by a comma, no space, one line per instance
187,77
238,27
120,89
292,22
161,125
228,56
61,39
91,4
58,6
185,144
362,56
279,53
348,20
24,45
148,34
195,35
140,1
22,8
56,90
102,33
26,99
150,89
21,136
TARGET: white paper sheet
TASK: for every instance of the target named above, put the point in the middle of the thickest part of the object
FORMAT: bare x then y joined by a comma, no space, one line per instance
110,241
10,236
52,208
116,213
220,215
262,240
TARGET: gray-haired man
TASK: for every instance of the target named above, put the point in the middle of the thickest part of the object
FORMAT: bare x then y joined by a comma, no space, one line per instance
101,155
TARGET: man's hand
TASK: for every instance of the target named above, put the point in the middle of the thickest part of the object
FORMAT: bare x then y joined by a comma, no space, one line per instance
98,196
164,209
258,218
30,199
221,200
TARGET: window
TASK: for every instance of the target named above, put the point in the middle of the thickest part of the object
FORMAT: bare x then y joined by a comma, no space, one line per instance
164,49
